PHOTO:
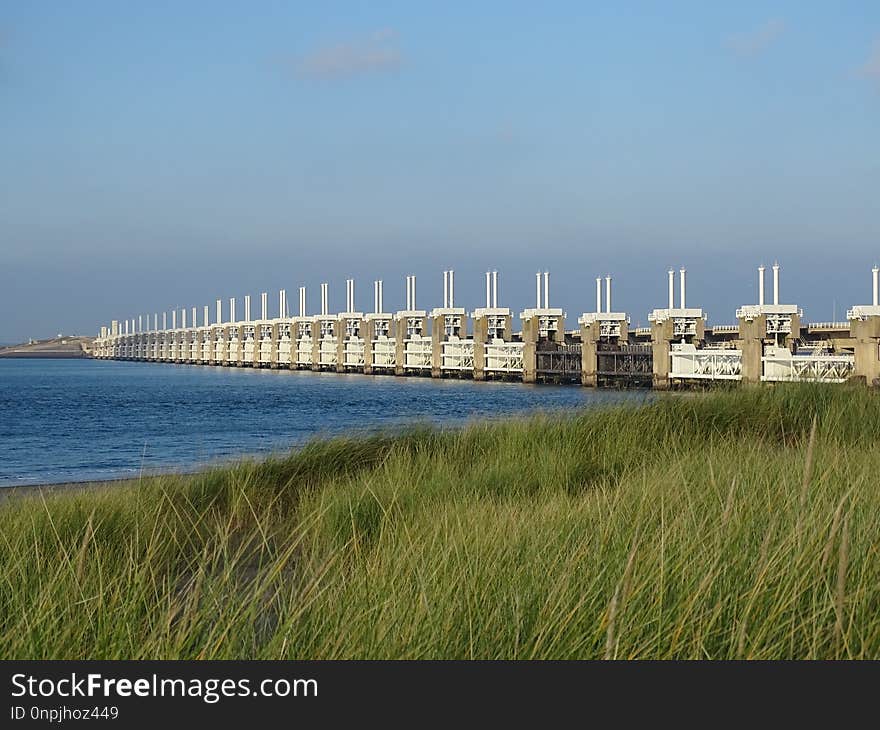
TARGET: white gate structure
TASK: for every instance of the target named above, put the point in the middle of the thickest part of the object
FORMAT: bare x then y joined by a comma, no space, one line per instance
219,346
326,344
384,352
353,345
327,351
250,336
304,344
233,354
194,346
780,365
177,346
457,355
265,344
284,343
206,344
417,353
689,362
353,353
504,357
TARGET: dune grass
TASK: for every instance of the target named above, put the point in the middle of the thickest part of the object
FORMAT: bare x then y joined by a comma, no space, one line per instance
740,524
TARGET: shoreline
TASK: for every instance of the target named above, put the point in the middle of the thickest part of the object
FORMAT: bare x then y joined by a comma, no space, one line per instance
22,490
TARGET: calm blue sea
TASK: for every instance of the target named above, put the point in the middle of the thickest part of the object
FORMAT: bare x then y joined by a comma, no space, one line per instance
79,420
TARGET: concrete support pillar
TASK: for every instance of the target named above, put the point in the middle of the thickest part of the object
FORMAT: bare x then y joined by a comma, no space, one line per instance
866,334
589,354
399,346
530,348
316,345
752,334
233,360
438,334
661,349
662,339
369,334
481,336
532,339
273,352
255,358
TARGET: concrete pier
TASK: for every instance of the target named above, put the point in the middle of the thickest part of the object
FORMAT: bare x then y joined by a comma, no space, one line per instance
674,325
865,332
413,344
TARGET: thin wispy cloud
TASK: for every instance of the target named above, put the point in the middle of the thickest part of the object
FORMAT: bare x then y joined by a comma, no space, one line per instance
756,41
871,68
377,53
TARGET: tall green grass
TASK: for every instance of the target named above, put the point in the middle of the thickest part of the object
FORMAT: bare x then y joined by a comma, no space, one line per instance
739,524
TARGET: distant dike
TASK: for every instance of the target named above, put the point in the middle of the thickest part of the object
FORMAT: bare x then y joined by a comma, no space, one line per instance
59,348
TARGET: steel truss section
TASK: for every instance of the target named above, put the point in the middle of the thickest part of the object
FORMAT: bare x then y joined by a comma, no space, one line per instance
304,350
384,353
799,368
353,353
417,353
706,364
327,352
504,357
625,362
457,355
558,360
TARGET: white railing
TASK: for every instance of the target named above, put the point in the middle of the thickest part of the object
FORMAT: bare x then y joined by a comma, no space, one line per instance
687,362
457,355
417,353
384,353
504,357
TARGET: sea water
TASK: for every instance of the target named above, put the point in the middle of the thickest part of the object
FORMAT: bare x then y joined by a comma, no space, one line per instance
81,420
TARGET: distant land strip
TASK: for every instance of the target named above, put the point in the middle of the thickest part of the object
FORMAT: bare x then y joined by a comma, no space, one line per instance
58,347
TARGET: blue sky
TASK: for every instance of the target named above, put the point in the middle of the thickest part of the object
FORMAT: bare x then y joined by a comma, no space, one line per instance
165,154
